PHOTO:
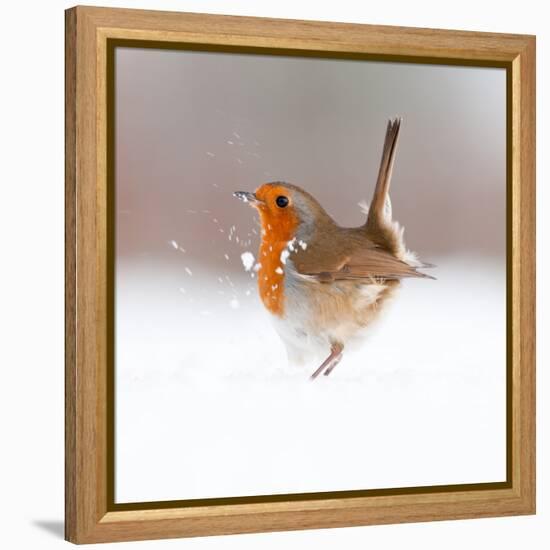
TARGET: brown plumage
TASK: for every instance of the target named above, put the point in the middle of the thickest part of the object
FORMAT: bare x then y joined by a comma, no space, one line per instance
325,283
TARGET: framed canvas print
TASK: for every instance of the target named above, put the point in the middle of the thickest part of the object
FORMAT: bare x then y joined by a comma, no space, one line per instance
258,337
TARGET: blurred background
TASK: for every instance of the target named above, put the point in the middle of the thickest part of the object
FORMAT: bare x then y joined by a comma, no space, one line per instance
205,403
195,126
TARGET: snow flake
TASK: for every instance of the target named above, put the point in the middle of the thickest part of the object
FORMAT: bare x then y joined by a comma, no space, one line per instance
248,260
188,271
284,255
279,270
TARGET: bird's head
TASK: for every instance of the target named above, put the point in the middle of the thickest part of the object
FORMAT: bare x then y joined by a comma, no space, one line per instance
286,211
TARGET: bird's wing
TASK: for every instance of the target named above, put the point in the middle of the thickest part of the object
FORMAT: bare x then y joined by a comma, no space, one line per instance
358,264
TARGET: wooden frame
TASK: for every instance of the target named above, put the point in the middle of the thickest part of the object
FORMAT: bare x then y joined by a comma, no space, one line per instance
91,515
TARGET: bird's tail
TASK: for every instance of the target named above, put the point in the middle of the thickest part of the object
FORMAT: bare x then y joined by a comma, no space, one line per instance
380,226
380,216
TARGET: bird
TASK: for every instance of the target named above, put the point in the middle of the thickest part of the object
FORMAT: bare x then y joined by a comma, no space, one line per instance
322,283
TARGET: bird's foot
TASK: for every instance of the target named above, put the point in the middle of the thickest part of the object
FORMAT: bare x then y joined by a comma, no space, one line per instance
330,362
330,368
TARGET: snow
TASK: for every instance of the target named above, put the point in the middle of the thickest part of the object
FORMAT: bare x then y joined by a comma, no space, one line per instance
207,406
174,244
248,260
234,303
284,255
188,271
279,270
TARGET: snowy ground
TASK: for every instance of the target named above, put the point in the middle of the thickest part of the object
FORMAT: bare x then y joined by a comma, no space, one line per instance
207,407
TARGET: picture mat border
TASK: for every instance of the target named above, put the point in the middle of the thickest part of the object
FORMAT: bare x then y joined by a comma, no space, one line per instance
92,35
112,45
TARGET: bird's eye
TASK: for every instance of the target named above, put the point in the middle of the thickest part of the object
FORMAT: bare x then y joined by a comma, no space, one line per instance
281,201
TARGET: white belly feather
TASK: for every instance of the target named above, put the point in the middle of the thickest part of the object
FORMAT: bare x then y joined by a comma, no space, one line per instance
318,314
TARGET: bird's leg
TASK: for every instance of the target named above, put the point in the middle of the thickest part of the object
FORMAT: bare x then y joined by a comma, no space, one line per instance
331,361
330,368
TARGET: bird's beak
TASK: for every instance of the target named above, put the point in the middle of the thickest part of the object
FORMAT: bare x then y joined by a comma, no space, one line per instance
247,197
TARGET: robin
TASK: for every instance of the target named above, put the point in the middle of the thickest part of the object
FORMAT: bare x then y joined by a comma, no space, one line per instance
322,283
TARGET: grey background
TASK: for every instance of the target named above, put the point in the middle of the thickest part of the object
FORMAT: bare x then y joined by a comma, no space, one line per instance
314,122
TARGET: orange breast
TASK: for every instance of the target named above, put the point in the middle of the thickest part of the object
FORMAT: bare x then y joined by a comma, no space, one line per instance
278,228
271,276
